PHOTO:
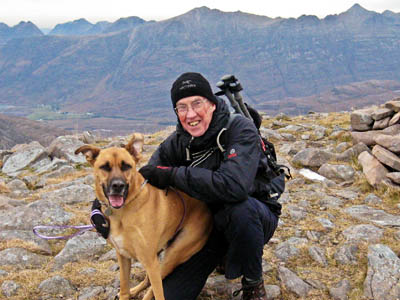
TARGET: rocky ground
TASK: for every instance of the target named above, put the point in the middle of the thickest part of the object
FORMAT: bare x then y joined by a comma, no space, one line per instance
337,237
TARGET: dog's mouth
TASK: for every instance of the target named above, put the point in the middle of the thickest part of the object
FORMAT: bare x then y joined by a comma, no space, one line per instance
116,193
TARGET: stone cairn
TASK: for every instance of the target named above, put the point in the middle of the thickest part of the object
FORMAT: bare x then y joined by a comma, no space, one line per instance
378,127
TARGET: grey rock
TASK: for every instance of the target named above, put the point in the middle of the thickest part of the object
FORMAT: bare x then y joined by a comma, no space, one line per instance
346,254
394,176
363,232
347,194
3,273
289,249
312,157
369,214
366,137
393,105
64,147
372,199
7,203
342,147
85,246
270,134
293,283
110,255
296,212
313,235
88,138
381,124
390,142
71,195
20,258
24,157
316,284
293,128
40,212
361,120
386,157
272,291
337,172
352,152
57,285
28,237
318,254
305,137
91,293
288,137
392,130
340,291
381,113
394,120
52,165
373,170
17,184
88,271
10,288
292,148
326,223
217,286
319,132
383,276
331,202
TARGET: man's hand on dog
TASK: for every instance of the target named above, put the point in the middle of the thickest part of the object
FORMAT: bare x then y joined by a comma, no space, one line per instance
100,223
159,176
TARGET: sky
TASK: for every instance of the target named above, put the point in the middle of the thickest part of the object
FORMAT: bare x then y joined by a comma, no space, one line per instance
48,13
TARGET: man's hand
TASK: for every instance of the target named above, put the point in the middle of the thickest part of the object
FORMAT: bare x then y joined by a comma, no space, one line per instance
159,176
99,221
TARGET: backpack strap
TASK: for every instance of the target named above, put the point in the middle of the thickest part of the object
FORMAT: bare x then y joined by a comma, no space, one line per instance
232,116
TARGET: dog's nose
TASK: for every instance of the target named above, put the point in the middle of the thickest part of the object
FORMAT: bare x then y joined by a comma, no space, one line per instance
117,186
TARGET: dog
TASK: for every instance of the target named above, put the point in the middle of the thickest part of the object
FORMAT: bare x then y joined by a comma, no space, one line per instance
144,220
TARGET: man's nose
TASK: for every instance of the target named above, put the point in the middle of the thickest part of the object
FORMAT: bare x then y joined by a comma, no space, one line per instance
191,112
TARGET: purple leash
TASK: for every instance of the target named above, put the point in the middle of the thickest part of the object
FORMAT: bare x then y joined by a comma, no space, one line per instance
81,228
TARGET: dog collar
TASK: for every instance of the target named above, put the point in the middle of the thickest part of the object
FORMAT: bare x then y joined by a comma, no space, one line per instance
108,212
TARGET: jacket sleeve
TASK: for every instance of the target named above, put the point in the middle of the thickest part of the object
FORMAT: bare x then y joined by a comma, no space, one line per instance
232,181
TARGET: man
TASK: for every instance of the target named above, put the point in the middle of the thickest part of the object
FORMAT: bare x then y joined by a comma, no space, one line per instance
190,159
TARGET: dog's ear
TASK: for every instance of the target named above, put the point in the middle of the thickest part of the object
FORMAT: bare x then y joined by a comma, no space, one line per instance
91,152
135,146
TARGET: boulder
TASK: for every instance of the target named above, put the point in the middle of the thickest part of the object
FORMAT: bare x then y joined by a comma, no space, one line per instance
57,285
381,124
290,248
71,195
392,130
21,259
373,215
26,236
381,113
354,151
389,142
347,254
366,137
393,105
361,120
318,254
340,291
373,170
10,288
85,246
386,157
293,283
312,157
383,276
64,147
394,120
394,176
40,212
363,232
24,157
337,172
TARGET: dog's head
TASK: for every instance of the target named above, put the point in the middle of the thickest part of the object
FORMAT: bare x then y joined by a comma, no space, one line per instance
114,169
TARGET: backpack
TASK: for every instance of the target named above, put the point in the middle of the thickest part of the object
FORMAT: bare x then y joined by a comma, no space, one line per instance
271,178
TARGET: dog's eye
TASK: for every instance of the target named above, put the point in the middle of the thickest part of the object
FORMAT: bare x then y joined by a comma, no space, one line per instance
106,167
125,166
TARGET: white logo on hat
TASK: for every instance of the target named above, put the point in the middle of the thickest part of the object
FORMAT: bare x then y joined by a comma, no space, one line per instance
232,151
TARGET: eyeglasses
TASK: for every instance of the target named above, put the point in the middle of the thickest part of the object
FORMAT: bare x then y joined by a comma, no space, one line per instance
197,105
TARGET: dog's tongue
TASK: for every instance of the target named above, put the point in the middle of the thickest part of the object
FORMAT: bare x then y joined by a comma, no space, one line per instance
116,201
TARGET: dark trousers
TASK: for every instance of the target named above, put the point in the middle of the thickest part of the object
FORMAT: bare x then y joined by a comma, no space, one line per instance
239,234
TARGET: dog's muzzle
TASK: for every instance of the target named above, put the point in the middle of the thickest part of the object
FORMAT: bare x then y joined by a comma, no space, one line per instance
116,192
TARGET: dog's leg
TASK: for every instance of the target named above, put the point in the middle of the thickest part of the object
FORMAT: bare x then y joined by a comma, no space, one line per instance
124,274
153,269
140,287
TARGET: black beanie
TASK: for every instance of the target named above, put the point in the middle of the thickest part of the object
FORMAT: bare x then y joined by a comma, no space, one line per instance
191,84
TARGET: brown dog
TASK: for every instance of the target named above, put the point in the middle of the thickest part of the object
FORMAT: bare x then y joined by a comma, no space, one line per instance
145,220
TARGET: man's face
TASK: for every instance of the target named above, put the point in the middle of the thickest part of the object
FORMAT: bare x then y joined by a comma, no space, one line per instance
195,114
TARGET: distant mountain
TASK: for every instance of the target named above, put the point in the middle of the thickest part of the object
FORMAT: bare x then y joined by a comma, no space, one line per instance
77,27
128,74
83,27
15,130
22,30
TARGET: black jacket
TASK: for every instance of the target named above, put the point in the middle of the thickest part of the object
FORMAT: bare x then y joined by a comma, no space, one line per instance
206,173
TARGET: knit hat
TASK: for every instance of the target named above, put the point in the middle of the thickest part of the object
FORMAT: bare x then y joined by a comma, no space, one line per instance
191,84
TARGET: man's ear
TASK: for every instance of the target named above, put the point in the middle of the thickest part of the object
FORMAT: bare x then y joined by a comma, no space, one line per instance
135,146
91,153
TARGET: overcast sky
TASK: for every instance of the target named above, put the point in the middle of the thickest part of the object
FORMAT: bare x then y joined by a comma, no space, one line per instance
48,13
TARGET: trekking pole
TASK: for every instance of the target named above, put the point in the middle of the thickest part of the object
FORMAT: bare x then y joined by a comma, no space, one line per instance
224,86
236,87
